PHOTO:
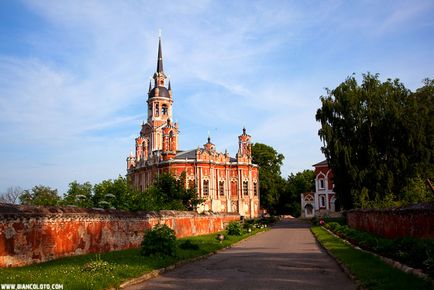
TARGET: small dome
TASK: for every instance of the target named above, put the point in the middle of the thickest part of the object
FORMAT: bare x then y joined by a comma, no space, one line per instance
162,93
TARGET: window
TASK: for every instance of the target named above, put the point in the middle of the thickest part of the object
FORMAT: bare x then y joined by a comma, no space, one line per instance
157,109
234,189
245,187
222,188
164,109
205,187
321,183
322,201
255,188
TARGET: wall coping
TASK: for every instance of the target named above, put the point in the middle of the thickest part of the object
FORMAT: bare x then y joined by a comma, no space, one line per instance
11,211
419,208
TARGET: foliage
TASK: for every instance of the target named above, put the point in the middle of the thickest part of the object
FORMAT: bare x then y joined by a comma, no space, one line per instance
40,195
372,272
160,240
112,193
166,193
378,137
271,184
301,182
79,195
97,265
11,195
173,194
418,253
234,229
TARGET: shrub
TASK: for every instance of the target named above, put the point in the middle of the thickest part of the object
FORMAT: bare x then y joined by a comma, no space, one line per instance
188,245
417,253
161,240
234,229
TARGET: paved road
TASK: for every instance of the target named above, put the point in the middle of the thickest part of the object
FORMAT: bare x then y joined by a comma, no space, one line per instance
286,257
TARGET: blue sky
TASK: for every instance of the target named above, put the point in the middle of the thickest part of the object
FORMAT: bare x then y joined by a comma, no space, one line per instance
74,75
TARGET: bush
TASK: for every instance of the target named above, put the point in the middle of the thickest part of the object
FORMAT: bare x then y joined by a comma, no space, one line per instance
161,240
417,253
234,229
188,245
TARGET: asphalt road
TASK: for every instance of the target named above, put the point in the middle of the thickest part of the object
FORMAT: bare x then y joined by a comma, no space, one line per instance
286,257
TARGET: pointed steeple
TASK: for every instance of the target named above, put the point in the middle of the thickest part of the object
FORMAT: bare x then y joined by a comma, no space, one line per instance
160,57
170,87
150,86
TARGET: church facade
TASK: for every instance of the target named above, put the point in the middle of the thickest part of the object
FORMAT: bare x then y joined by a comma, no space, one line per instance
226,184
322,201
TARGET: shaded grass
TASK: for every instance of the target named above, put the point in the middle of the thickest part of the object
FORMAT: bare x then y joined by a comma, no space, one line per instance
116,267
370,270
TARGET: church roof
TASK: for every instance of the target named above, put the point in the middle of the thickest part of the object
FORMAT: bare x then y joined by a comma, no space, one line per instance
322,163
188,154
162,92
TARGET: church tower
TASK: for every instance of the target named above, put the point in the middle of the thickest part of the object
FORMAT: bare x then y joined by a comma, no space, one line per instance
244,147
159,136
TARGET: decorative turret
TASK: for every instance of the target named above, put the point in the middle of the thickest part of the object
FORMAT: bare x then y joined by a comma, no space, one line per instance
209,146
244,147
131,161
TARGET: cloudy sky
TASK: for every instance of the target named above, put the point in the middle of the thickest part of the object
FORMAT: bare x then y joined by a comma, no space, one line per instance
74,75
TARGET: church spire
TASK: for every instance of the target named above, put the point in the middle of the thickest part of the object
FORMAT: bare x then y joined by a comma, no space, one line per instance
160,57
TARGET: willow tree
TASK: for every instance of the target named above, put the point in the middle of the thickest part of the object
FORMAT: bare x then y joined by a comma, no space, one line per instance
378,138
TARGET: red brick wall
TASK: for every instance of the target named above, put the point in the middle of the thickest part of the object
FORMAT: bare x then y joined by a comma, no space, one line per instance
394,223
35,234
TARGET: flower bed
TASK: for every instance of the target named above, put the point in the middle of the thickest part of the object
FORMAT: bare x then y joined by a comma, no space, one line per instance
416,253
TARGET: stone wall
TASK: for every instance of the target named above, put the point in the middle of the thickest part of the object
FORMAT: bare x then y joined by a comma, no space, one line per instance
416,221
30,234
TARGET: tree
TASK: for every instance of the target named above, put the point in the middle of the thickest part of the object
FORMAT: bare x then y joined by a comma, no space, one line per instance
79,195
112,194
40,195
171,193
11,195
271,184
301,182
378,137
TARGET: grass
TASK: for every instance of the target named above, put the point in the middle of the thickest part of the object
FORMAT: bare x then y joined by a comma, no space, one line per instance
101,271
370,270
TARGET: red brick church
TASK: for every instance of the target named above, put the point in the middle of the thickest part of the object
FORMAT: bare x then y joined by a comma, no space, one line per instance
226,184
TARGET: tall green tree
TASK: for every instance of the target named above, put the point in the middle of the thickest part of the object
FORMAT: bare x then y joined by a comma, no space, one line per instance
40,195
79,195
112,193
271,184
377,138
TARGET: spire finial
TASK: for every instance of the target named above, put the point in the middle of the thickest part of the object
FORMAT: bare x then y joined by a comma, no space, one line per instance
244,130
150,86
209,137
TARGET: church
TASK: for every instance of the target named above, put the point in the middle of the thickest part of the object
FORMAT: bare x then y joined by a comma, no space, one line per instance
226,184
323,200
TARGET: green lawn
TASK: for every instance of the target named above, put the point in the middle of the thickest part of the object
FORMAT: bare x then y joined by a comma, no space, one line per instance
108,269
372,272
